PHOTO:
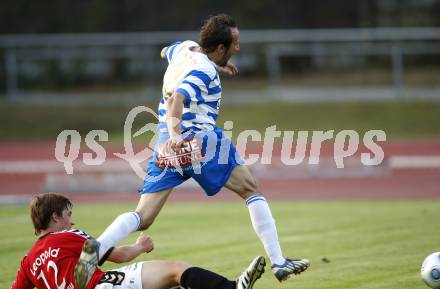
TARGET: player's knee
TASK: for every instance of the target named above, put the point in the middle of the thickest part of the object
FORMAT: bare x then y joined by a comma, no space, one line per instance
249,188
179,267
254,188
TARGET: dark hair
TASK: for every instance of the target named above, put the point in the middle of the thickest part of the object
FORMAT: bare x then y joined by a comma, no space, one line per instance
43,206
216,30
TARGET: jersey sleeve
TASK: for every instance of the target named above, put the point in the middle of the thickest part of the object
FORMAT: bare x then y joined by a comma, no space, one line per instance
22,281
196,84
171,49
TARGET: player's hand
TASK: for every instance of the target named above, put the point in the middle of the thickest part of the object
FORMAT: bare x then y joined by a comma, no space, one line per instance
163,53
145,242
229,69
174,144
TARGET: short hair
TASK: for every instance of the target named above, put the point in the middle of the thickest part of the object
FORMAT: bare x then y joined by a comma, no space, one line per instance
216,30
43,206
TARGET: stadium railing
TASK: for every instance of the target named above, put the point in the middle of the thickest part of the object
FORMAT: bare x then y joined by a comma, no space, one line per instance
141,48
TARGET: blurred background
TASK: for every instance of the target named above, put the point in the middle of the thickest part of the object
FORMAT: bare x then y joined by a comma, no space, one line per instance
304,65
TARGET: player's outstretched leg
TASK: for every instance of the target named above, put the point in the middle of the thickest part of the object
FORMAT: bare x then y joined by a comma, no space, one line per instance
289,267
87,263
166,274
148,208
199,278
118,230
242,182
265,228
248,278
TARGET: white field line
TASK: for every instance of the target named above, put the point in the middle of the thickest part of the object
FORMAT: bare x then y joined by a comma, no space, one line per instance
118,165
52,166
414,162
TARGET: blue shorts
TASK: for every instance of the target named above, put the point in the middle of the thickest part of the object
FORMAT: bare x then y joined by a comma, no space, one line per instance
220,157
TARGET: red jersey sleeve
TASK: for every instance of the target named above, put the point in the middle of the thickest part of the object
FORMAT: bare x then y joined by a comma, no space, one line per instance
22,281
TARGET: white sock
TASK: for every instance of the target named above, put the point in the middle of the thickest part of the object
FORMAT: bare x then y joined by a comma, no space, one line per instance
121,227
264,226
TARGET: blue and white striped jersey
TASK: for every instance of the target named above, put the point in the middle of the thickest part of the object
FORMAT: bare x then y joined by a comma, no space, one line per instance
195,76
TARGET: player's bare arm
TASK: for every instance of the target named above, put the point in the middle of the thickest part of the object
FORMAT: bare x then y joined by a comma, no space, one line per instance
122,254
229,69
174,106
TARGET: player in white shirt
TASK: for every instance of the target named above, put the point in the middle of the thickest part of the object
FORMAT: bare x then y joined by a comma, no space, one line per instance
192,74
190,145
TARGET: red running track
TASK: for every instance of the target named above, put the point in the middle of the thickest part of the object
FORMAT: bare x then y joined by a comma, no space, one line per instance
389,183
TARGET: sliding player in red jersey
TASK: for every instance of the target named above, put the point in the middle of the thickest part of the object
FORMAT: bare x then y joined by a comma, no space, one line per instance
54,261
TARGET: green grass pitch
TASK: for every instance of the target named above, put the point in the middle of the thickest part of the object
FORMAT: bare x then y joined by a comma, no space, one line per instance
375,244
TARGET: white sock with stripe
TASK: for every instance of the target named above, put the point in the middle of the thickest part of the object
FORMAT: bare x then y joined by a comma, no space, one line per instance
264,226
121,227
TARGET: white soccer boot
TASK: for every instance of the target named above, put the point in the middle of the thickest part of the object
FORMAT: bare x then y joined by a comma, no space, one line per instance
290,266
247,279
87,263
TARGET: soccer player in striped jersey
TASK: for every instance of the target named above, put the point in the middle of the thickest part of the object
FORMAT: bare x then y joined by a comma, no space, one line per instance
65,258
190,145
